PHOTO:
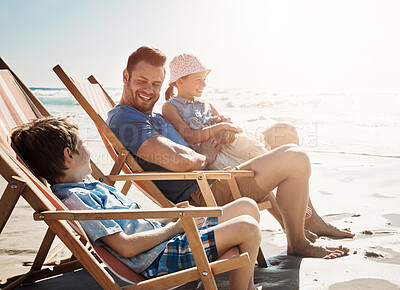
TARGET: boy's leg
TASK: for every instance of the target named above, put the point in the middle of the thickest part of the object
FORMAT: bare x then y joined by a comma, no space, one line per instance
239,207
243,232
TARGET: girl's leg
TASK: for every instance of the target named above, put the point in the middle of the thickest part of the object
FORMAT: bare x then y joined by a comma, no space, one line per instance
244,232
281,134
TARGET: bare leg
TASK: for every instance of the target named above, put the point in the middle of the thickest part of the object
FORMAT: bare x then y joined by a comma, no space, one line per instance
274,210
289,169
281,134
244,232
318,226
239,207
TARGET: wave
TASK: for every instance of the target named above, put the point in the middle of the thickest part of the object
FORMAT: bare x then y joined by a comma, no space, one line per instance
61,101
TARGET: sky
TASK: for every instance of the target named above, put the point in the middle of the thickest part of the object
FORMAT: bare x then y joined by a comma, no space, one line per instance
350,46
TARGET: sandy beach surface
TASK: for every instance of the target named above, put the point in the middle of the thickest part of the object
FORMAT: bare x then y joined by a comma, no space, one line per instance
361,193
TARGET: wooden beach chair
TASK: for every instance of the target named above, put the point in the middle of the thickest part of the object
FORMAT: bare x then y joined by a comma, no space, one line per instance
97,103
18,106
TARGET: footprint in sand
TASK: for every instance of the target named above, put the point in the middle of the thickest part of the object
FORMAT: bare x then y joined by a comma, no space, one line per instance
323,192
372,254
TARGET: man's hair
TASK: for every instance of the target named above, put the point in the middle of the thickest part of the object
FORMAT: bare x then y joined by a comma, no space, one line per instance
152,56
41,144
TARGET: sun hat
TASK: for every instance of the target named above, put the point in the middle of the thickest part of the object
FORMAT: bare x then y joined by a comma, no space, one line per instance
183,65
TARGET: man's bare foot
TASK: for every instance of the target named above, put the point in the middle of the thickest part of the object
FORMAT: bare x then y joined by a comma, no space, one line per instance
319,227
313,251
310,236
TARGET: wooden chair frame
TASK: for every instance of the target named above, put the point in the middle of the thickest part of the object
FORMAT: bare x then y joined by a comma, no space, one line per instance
123,157
21,182
124,161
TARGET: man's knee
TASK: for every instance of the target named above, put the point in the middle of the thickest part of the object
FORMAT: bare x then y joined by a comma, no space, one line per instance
298,160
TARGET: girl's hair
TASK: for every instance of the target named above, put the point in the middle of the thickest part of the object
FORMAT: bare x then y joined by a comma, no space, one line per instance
41,144
169,92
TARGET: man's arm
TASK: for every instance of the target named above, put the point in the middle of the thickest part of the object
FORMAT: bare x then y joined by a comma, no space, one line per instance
160,150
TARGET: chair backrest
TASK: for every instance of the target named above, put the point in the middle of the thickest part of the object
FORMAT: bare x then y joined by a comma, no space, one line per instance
13,108
96,103
100,102
16,109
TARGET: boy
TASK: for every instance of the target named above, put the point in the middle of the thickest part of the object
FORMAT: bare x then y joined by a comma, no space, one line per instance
55,151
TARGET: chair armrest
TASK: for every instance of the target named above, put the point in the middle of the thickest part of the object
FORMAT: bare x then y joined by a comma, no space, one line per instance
239,173
169,176
128,214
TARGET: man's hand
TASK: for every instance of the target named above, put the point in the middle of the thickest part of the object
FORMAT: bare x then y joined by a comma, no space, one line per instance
209,149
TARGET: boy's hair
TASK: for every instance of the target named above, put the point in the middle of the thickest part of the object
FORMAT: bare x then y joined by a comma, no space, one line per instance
41,144
152,56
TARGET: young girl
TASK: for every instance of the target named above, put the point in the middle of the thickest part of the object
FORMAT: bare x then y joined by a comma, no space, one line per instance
197,120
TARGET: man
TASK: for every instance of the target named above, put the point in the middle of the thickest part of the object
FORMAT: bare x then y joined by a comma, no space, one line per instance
157,146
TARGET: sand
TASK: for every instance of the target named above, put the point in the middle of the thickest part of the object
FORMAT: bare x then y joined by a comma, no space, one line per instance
361,193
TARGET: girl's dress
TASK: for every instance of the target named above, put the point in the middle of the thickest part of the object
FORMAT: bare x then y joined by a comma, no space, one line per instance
197,114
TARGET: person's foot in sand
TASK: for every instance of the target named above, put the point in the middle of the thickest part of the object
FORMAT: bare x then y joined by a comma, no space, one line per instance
313,251
310,236
318,226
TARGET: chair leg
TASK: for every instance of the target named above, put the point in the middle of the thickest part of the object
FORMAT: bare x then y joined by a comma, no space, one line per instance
261,259
205,189
233,186
126,187
9,199
198,252
43,250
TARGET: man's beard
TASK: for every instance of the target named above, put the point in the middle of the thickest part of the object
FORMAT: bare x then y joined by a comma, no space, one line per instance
139,104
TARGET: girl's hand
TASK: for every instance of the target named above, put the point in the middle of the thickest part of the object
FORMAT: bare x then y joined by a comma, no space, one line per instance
216,119
221,118
225,118
228,137
231,127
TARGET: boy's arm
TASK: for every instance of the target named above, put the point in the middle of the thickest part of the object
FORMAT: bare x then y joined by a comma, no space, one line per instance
132,245
191,135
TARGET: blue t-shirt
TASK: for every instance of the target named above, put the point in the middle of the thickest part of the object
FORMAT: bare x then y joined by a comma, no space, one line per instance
132,128
98,196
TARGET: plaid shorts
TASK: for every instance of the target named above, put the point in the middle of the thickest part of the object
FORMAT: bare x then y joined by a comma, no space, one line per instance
178,255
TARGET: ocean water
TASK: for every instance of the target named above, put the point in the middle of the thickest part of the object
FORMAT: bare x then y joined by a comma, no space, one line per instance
349,123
